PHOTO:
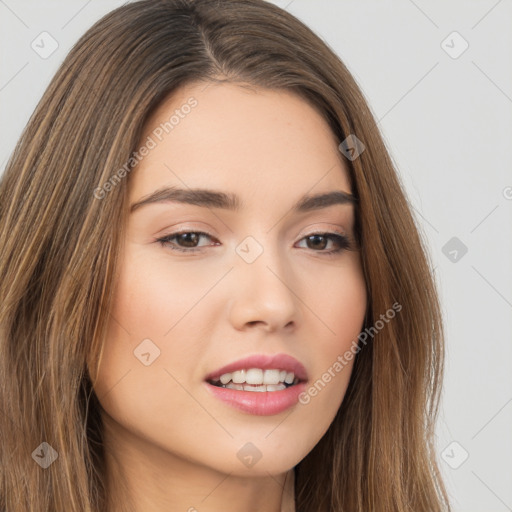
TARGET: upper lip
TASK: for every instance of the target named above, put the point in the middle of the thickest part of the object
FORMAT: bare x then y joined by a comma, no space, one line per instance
265,362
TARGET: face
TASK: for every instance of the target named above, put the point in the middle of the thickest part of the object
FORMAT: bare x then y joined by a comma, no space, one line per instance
268,279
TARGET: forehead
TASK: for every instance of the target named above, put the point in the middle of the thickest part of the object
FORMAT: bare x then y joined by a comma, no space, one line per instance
250,141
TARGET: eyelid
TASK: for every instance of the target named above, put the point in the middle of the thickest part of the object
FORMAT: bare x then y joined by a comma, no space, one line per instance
332,228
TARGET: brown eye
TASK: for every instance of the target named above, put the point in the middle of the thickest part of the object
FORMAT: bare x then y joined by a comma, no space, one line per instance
184,241
318,242
188,239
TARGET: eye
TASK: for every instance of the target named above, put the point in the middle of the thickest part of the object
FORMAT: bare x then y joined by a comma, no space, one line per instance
187,242
319,241
188,238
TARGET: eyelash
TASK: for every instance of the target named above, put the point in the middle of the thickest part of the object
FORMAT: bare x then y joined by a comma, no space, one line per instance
340,238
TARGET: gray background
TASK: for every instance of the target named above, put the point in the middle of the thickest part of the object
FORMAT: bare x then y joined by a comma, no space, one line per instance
447,123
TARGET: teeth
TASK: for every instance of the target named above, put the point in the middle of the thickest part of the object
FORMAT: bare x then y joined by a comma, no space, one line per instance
238,377
254,376
225,378
289,378
277,387
271,376
249,387
257,377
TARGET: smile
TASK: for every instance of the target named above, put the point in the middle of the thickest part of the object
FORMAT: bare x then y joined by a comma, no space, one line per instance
260,384
256,379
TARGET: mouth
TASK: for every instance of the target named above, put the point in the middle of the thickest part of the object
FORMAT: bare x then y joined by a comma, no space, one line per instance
261,384
259,373
256,379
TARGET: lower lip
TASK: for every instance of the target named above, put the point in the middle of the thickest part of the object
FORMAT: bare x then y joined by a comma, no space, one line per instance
260,403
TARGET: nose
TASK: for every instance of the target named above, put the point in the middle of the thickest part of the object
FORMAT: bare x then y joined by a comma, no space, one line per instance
264,293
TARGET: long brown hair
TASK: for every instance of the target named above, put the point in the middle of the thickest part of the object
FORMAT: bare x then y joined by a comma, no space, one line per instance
59,244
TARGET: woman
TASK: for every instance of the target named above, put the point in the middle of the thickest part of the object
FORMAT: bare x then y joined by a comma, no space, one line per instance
291,362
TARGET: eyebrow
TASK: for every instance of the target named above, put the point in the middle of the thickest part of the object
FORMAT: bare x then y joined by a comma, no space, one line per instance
216,199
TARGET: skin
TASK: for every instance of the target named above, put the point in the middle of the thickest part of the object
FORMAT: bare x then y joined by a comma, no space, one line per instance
169,441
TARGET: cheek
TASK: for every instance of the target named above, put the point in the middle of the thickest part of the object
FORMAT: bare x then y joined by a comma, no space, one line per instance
341,307
155,294
144,309
339,301
157,317
346,306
